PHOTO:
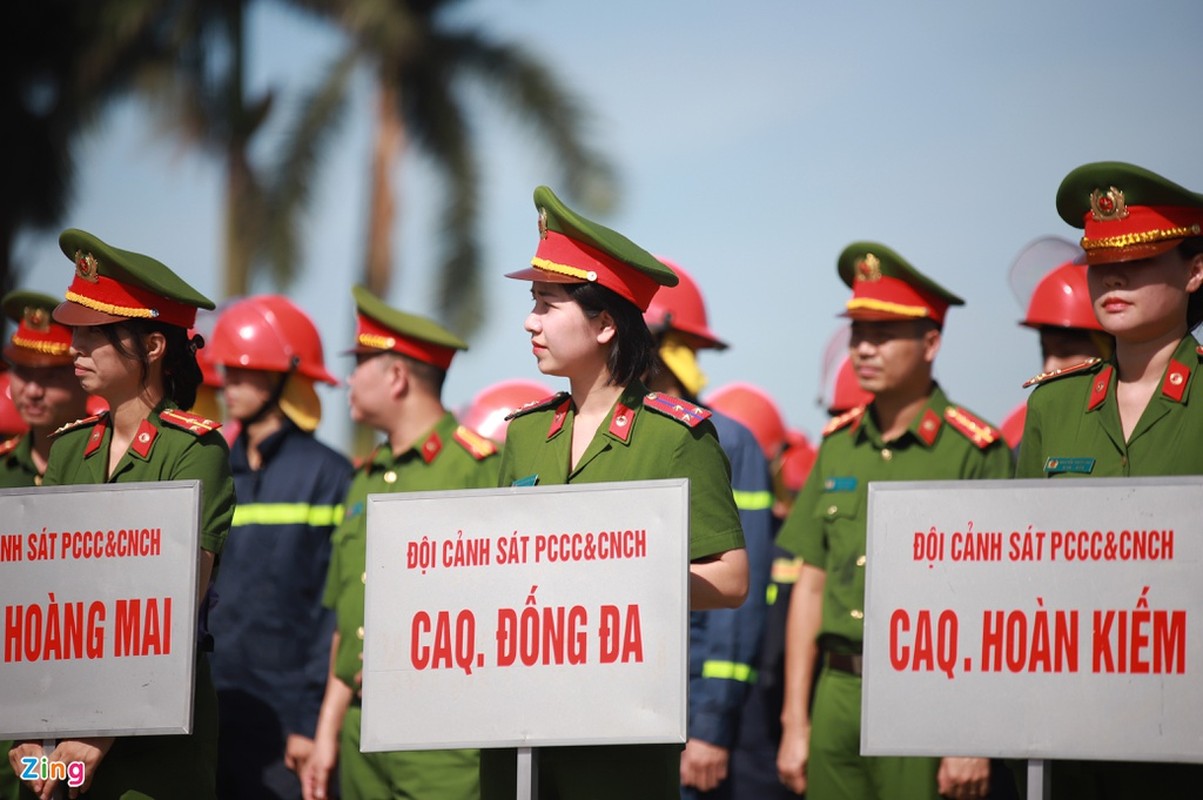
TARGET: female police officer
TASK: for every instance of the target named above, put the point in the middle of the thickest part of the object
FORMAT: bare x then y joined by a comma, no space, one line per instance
590,287
130,315
1129,415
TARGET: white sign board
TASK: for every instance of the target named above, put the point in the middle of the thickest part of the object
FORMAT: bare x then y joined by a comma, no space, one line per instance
98,607
527,617
1035,619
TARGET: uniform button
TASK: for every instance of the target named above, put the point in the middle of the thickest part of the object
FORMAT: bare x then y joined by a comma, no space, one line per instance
359,632
831,510
856,613
390,477
886,454
860,562
364,579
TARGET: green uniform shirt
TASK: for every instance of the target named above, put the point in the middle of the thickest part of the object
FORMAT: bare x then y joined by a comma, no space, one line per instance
826,526
161,451
1073,427
633,443
442,459
16,463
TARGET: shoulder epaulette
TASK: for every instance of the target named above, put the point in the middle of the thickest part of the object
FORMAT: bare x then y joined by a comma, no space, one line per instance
478,446
79,423
1059,373
535,405
981,433
843,420
690,414
9,445
187,421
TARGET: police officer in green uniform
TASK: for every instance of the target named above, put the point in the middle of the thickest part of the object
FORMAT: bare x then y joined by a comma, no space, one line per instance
910,431
131,315
396,388
43,386
1134,413
590,287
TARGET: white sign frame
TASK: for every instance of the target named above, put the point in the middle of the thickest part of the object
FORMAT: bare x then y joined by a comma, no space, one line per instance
137,694
1022,707
406,708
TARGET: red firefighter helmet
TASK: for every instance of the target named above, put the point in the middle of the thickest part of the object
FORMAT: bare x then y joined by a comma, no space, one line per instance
1062,300
682,308
797,459
753,407
11,422
269,333
492,404
846,393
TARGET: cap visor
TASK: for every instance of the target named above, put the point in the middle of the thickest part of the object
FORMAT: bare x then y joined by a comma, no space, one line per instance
32,358
866,315
77,316
532,274
1136,252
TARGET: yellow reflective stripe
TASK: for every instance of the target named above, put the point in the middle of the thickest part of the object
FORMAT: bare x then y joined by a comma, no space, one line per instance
752,501
287,514
728,670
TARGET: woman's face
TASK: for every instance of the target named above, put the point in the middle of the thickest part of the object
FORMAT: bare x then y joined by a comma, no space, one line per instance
564,340
1138,301
101,368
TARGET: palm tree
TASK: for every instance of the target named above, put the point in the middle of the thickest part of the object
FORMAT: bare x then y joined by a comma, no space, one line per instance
422,66
67,60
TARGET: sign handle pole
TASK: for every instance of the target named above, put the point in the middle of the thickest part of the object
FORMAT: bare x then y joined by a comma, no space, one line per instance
528,773
1039,787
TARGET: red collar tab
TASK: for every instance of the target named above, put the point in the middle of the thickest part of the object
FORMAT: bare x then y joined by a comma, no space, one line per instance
477,446
929,427
187,421
1098,390
557,421
95,437
851,417
980,433
431,447
1176,378
144,439
564,256
622,422
688,413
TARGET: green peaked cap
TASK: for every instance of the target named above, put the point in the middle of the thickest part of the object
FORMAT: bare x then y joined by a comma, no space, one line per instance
381,327
573,249
886,286
1139,186
16,301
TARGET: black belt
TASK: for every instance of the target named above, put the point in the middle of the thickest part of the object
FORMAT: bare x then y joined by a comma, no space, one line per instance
852,663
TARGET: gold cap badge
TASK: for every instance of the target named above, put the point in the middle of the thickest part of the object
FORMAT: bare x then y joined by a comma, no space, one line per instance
868,268
1107,206
86,267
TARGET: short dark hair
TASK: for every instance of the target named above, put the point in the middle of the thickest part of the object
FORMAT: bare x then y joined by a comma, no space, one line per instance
427,374
1188,249
181,372
633,350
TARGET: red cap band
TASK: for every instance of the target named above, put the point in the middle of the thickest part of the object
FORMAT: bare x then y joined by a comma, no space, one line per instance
371,335
126,300
563,255
886,298
1134,232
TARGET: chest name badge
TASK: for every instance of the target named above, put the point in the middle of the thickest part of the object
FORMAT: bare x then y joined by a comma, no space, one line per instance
1055,465
529,480
844,483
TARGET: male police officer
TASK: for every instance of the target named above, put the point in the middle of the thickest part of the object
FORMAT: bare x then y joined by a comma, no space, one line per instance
909,432
396,388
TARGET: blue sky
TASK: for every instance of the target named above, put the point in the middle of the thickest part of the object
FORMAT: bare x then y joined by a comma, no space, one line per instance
754,141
